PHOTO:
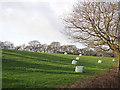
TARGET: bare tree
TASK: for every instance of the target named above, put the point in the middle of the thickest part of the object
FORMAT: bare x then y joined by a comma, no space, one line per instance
63,48
21,47
71,49
94,24
55,46
1,44
6,45
34,45
44,47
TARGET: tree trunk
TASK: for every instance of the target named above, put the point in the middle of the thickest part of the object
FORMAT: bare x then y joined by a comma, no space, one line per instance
119,33
119,42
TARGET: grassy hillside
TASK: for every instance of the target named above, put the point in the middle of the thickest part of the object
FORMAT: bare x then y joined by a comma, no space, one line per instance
24,69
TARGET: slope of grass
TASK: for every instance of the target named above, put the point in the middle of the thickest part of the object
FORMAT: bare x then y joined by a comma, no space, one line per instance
24,69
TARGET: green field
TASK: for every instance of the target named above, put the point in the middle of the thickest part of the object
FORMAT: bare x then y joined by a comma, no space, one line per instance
24,69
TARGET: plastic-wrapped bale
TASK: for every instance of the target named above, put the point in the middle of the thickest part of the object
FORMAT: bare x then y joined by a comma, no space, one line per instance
80,54
74,62
114,60
99,61
77,58
79,69
65,53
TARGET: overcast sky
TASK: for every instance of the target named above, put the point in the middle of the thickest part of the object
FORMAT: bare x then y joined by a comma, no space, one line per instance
23,21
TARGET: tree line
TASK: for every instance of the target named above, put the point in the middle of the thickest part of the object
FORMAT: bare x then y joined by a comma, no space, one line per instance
55,47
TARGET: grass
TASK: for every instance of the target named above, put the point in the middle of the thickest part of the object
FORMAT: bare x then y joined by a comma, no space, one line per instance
24,69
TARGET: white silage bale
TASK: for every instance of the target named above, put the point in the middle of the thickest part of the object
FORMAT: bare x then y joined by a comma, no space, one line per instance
77,58
65,53
99,61
114,60
74,62
80,54
79,69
